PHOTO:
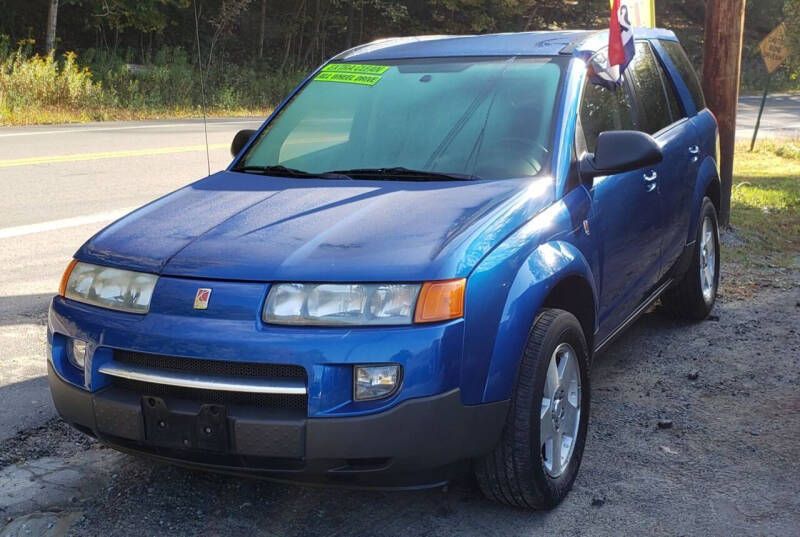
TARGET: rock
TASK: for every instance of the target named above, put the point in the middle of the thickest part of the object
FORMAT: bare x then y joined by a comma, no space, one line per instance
668,450
41,524
713,318
598,502
665,424
693,375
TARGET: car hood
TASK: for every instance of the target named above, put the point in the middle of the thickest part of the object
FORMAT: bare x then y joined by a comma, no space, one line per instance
236,226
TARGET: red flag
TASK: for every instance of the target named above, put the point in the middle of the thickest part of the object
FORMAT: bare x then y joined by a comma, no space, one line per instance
616,49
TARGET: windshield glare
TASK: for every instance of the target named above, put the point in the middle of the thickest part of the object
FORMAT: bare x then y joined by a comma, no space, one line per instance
488,118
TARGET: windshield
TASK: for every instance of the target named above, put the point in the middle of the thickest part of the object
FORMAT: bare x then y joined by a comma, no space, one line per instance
486,118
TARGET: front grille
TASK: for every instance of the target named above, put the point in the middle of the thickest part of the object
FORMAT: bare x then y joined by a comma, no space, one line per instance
216,397
210,367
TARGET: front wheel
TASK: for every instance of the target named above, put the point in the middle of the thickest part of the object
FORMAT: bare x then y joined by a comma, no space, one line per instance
537,458
693,297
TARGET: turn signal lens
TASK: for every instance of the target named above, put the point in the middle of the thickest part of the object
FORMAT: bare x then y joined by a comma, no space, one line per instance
62,288
440,301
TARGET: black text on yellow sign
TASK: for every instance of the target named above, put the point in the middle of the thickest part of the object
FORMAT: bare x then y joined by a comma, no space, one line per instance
351,73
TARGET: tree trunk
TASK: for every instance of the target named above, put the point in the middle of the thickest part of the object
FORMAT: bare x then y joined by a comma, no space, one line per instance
351,22
308,57
361,29
263,31
52,16
722,67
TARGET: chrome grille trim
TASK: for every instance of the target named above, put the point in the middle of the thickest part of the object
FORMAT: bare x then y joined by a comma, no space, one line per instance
187,379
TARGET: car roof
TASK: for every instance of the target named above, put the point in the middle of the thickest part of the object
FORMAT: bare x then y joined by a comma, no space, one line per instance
512,44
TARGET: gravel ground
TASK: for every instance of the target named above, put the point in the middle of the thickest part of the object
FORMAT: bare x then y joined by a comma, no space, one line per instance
694,431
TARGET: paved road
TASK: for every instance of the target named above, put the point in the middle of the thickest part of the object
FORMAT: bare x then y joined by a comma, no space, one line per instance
59,185
781,116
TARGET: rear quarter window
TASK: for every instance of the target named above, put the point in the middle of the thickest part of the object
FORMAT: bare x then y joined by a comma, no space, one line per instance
687,72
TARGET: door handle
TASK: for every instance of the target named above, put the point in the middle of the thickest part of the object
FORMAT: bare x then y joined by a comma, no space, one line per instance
694,152
650,180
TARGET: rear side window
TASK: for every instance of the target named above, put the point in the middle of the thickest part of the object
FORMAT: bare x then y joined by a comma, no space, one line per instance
687,72
672,96
604,110
649,88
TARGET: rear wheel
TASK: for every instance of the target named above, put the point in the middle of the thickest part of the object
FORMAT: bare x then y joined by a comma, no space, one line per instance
693,297
538,456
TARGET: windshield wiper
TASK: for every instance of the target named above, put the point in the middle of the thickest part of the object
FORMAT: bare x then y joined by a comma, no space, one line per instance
283,171
404,174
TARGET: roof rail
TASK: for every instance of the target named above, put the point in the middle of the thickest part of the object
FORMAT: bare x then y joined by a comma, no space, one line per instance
575,43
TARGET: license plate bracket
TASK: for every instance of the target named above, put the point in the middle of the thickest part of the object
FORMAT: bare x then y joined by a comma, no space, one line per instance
206,429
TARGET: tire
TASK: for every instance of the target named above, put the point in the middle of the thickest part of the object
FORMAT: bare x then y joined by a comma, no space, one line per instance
694,295
516,472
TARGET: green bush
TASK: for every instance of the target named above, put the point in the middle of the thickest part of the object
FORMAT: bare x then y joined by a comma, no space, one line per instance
36,89
31,82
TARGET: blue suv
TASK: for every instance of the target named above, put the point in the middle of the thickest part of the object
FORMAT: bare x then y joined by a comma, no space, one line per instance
407,268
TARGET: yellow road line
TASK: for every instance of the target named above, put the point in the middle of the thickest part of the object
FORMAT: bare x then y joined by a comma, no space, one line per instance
110,154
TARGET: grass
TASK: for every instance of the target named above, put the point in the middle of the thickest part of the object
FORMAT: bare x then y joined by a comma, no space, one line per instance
764,239
57,114
765,206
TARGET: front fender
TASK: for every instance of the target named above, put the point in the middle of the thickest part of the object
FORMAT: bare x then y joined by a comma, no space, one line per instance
507,289
549,264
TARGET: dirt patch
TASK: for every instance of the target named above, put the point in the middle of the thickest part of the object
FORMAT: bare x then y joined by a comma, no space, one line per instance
53,439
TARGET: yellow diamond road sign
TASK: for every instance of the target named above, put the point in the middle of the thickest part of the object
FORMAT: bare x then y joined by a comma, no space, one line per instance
774,49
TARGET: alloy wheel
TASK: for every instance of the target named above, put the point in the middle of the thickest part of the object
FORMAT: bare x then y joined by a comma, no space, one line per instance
561,410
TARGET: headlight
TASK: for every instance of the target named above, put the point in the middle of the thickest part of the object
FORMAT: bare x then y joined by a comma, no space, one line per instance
116,289
341,304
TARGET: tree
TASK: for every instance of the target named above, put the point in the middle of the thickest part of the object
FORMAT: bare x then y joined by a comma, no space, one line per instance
791,12
228,12
262,29
52,16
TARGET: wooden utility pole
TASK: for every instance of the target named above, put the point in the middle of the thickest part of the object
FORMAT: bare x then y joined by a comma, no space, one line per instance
52,16
722,66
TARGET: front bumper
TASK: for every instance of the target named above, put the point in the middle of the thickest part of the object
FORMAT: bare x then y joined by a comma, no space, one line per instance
410,445
324,436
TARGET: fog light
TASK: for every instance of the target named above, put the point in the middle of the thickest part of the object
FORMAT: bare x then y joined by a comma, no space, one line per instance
375,382
76,353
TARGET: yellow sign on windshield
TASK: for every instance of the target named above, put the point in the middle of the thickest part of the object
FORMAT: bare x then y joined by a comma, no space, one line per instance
352,73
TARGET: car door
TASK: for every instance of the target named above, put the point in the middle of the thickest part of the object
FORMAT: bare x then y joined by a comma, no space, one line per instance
663,117
627,211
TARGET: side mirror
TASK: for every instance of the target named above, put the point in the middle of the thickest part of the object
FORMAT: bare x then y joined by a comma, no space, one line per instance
619,152
240,140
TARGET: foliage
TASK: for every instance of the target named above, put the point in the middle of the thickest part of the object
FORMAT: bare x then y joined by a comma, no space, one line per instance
31,82
120,15
37,89
766,204
791,12
142,54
